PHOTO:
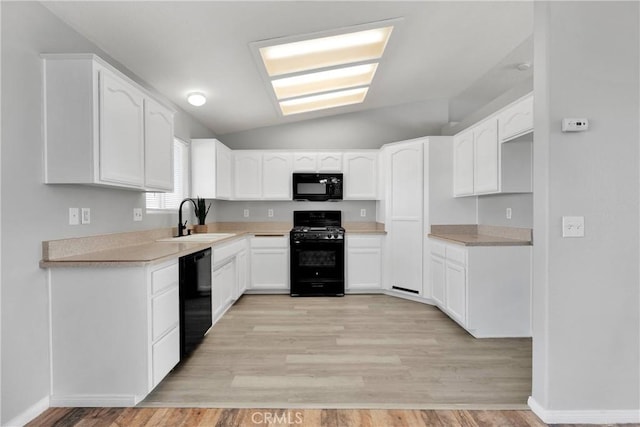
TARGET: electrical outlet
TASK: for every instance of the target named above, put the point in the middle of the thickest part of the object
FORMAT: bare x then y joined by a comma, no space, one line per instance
86,216
137,214
572,226
270,213
575,125
363,212
508,213
74,216
245,213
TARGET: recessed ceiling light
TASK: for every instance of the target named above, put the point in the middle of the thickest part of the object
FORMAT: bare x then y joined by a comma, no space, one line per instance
196,99
324,81
322,101
325,51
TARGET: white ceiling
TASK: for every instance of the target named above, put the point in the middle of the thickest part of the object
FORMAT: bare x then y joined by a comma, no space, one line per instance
438,51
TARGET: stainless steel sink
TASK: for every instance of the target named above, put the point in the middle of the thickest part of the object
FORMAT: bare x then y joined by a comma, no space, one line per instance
200,237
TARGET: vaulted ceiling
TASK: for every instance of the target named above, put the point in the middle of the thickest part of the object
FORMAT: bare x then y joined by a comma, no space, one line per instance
438,49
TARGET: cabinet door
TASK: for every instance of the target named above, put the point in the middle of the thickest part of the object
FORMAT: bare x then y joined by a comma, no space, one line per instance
363,268
269,268
217,293
247,175
305,162
121,132
438,279
456,288
329,162
223,171
516,120
360,178
203,168
276,176
463,164
242,272
487,161
404,214
158,146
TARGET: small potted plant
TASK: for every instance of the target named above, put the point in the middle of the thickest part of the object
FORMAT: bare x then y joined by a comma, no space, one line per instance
201,212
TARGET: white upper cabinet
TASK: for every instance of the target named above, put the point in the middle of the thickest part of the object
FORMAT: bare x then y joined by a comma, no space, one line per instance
101,128
260,175
485,137
329,162
276,175
317,162
305,162
496,155
361,175
223,171
247,177
210,169
121,127
517,119
158,129
463,164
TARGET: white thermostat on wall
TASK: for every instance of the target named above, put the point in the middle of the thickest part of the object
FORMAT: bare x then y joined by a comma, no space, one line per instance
575,125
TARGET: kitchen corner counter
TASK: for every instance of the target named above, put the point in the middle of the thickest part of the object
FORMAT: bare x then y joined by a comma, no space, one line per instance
482,235
364,228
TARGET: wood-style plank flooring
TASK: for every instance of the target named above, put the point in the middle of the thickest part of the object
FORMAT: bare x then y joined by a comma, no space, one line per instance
201,417
360,352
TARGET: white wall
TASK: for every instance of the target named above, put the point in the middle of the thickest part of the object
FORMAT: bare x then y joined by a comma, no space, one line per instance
230,211
443,207
492,210
32,211
367,129
586,330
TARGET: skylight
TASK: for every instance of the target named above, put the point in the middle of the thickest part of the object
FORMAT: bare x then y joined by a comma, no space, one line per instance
324,72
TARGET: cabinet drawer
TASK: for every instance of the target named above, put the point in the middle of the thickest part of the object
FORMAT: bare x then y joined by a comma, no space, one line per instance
456,254
226,251
164,277
437,248
269,242
164,313
165,355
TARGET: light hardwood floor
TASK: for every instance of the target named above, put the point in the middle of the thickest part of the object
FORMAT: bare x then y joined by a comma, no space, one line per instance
360,351
170,417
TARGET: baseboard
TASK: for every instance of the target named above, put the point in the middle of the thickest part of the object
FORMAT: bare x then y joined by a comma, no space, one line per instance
409,296
95,400
30,413
587,416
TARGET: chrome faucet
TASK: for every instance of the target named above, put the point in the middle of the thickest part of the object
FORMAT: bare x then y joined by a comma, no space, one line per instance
181,226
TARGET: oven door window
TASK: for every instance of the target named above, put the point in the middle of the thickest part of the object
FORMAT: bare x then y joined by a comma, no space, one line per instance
312,262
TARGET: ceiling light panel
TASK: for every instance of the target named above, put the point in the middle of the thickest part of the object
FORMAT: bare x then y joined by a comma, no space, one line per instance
323,101
325,51
323,81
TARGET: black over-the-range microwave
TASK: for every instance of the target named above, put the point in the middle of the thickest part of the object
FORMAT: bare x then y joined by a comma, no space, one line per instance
317,187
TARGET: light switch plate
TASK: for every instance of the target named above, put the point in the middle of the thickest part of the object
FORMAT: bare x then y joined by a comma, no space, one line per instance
137,214
74,216
86,216
270,213
572,226
245,213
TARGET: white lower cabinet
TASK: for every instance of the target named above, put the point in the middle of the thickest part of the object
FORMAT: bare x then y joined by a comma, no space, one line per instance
228,276
270,263
364,263
114,333
224,282
485,289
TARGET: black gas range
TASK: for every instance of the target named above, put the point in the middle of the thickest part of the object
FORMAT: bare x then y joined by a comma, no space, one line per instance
317,254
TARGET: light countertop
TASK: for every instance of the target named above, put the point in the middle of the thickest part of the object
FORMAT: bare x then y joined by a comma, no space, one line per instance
143,247
481,235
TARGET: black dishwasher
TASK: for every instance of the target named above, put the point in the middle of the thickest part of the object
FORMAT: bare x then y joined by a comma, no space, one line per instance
195,299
